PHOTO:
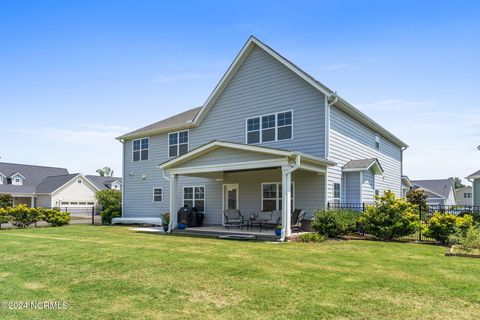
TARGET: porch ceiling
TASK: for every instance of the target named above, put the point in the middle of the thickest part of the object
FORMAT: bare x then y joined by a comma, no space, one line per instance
220,156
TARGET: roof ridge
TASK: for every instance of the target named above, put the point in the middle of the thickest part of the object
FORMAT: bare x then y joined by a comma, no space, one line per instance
32,165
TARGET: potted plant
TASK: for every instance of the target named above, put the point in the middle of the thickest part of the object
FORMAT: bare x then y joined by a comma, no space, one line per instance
165,221
278,230
182,224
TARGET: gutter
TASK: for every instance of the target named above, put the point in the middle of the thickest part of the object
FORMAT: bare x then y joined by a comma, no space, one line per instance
169,179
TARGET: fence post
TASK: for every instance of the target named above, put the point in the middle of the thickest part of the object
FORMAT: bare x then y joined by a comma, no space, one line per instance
93,215
328,205
363,206
421,222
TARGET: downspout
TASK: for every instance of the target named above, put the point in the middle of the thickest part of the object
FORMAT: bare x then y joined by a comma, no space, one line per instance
327,138
292,169
169,179
123,176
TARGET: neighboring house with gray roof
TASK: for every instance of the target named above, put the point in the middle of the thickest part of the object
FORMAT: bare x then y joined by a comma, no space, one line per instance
439,191
40,186
269,138
475,179
464,196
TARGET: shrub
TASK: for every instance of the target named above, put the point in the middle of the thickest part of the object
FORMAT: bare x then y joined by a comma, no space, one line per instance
6,200
335,223
311,237
4,216
109,213
23,216
109,198
390,217
418,197
55,217
471,239
443,225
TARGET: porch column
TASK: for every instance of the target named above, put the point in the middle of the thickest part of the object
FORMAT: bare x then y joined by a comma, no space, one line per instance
32,202
173,202
286,202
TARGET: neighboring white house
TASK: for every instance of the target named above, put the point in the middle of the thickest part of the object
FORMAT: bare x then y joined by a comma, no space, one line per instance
269,138
48,187
464,196
439,191
475,179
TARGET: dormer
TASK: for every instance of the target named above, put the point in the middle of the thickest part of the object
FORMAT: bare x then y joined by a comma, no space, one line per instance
115,185
17,179
3,178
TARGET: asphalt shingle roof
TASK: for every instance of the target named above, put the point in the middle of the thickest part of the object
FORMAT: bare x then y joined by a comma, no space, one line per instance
362,164
52,183
103,182
475,174
33,174
441,187
174,121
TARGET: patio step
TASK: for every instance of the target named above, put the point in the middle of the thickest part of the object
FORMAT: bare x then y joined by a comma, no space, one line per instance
237,237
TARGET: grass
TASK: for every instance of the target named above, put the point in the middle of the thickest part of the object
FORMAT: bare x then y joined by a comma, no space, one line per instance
115,273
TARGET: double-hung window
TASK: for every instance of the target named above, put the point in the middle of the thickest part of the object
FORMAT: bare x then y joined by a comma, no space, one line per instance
157,194
177,143
140,149
336,192
272,196
194,197
270,127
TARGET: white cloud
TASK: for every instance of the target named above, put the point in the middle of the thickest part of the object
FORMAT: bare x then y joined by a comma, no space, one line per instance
183,77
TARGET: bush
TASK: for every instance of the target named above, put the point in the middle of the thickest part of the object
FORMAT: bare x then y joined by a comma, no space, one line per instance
5,216
6,200
443,225
471,239
109,213
418,197
55,217
23,216
335,223
390,217
109,198
311,237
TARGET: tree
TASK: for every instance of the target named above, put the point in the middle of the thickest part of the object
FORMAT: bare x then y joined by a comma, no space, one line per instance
418,197
6,200
105,172
457,182
109,198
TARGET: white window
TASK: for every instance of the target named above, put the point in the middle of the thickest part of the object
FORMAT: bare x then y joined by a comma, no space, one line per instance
194,197
272,196
79,181
90,203
467,195
270,127
377,141
157,194
336,192
177,143
140,149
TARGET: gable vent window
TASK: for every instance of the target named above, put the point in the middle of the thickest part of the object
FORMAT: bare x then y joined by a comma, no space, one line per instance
79,181
140,149
271,127
377,141
177,143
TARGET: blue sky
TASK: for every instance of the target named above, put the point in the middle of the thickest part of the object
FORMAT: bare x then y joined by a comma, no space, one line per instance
74,75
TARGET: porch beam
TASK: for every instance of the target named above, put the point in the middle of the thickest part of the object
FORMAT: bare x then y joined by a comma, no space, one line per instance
271,163
173,202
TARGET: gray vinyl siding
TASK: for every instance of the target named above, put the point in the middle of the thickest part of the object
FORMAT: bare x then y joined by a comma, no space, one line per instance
350,140
221,156
352,187
476,192
368,186
261,86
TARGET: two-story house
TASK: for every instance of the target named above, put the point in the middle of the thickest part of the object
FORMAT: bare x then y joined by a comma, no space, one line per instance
269,137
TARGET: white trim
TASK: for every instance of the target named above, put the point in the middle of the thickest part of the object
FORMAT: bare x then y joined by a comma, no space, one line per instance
231,166
339,191
73,179
124,176
178,142
276,127
193,194
277,194
140,155
224,195
17,174
327,129
153,194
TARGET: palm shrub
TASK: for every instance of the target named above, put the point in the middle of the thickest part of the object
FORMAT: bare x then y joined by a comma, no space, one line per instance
335,223
390,217
443,225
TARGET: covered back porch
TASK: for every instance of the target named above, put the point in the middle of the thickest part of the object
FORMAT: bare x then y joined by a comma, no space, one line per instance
256,181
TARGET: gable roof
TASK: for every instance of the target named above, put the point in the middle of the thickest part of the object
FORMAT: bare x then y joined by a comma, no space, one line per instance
33,174
463,188
474,175
103,182
440,187
363,165
52,183
406,181
180,122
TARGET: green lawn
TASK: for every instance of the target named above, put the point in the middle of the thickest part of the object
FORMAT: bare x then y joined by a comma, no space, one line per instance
114,273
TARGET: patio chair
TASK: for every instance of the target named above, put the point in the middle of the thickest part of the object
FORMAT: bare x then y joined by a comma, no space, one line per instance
296,219
233,218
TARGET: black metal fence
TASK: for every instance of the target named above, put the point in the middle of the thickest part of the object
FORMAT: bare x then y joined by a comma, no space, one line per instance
424,214
83,214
